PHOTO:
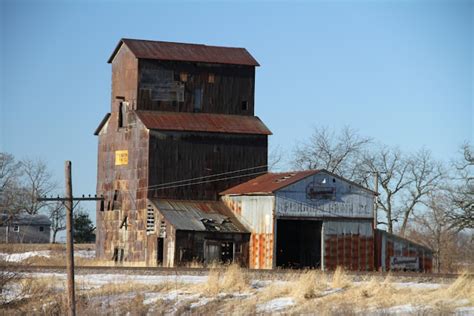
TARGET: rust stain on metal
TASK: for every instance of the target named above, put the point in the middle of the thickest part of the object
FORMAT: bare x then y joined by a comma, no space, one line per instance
203,122
186,52
269,182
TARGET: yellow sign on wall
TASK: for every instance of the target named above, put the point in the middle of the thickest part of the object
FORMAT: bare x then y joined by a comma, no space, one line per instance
121,157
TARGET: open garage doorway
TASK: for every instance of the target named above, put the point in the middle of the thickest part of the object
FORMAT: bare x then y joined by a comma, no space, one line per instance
298,243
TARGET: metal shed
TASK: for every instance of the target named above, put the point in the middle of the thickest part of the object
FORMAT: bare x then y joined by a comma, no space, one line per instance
196,231
305,219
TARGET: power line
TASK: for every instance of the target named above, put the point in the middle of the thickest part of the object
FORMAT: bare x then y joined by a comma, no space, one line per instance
208,181
203,177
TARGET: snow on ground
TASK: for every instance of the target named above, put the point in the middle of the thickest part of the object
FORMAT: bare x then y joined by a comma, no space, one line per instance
464,311
415,285
21,256
18,257
88,254
100,279
276,305
179,297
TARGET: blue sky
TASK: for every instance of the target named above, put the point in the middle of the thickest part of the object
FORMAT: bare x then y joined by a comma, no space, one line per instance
398,71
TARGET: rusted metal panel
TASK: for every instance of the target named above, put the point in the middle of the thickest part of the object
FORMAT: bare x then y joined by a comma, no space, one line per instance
199,215
389,247
348,244
203,122
124,190
186,52
296,182
269,183
256,214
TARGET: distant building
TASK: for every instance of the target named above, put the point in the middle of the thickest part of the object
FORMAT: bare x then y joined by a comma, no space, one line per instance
24,228
303,219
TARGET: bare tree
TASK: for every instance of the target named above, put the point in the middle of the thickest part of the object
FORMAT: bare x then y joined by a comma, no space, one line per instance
425,174
10,201
462,190
433,229
37,181
391,168
57,215
338,153
275,158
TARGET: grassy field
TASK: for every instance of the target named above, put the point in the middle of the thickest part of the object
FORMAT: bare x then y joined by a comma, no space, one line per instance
224,290
232,290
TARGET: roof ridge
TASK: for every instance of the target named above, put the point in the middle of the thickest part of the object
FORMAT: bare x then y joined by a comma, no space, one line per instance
179,43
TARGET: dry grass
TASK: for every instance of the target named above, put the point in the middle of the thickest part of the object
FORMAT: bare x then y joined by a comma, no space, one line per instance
312,290
230,279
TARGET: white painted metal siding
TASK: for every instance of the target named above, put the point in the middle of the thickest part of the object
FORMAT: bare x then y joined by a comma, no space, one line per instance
349,200
255,212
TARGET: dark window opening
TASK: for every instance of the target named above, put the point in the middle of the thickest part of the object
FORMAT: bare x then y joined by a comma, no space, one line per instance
115,256
41,229
16,228
102,205
159,258
197,100
122,114
116,202
245,105
118,255
150,220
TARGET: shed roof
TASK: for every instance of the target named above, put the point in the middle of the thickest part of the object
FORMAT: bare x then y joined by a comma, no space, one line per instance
203,122
186,52
25,219
271,182
212,216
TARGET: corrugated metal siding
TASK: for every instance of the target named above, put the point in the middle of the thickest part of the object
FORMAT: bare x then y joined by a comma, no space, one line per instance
269,183
389,245
203,122
349,200
192,215
187,52
349,244
256,213
176,156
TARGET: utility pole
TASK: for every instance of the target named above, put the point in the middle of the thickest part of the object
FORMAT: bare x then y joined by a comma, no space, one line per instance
71,298
68,201
376,180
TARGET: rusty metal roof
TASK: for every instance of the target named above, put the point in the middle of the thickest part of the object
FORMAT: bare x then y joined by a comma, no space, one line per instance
186,52
203,122
269,182
212,216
